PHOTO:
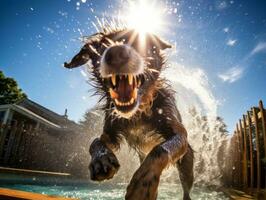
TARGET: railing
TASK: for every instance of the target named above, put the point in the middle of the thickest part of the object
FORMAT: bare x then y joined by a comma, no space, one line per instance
15,141
34,147
246,168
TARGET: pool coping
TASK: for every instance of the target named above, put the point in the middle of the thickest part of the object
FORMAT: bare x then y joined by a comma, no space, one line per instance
22,195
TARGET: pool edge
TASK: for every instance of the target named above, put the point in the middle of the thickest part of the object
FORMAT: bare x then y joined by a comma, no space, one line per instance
18,194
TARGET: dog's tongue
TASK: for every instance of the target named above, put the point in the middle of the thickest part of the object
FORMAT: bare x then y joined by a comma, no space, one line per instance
124,90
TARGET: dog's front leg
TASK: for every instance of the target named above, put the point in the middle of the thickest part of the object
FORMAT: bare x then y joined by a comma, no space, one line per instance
104,163
144,184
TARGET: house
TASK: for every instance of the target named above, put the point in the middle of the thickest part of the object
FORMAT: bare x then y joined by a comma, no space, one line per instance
32,136
33,114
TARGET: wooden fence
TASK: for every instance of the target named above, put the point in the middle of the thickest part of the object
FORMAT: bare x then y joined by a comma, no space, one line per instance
246,167
15,142
25,146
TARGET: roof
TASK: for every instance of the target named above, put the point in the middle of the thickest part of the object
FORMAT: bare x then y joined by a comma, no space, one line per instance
30,114
47,114
43,115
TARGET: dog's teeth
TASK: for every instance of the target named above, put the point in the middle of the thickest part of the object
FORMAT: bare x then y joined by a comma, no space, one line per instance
135,79
132,100
135,93
113,94
130,79
139,82
113,79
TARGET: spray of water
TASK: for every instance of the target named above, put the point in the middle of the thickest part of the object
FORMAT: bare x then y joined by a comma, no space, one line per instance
206,131
198,107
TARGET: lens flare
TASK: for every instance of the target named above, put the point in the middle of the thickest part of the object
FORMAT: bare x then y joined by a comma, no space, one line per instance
144,16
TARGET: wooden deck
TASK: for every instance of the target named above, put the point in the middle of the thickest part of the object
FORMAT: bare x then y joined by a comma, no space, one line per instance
240,195
8,194
11,194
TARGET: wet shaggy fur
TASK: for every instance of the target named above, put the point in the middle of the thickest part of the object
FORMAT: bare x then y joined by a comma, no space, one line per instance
154,130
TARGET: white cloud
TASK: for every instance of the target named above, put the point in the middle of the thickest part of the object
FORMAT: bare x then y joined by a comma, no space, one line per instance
235,73
261,46
231,42
232,74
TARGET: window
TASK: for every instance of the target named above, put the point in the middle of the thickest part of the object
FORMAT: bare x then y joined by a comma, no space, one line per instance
2,115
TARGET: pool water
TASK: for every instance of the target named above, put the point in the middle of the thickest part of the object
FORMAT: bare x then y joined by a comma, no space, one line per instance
114,191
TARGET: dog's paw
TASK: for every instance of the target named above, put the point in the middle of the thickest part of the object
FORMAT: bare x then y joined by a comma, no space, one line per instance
103,167
144,184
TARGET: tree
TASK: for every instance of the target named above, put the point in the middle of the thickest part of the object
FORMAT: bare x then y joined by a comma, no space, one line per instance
9,90
92,122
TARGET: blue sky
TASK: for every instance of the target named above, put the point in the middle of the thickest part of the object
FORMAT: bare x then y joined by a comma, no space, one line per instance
225,39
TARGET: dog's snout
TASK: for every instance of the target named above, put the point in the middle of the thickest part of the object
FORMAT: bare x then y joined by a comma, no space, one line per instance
121,59
117,55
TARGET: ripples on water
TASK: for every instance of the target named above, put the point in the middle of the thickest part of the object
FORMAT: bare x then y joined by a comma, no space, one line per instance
116,192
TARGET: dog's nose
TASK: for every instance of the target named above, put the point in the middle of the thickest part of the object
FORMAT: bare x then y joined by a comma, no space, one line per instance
117,55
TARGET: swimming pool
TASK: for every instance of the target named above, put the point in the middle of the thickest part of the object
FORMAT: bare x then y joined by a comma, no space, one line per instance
91,191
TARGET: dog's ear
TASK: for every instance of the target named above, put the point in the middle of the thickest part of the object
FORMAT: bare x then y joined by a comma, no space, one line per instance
154,40
88,51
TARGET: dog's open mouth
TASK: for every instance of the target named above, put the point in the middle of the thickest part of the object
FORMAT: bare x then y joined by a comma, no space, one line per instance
124,90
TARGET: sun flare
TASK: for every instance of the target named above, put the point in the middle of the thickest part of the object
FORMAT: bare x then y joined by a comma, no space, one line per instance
144,16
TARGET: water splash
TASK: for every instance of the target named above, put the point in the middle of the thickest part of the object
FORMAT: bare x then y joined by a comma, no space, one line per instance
198,107
206,131
193,89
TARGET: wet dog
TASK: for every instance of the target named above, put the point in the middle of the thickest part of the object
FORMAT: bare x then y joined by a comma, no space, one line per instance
139,107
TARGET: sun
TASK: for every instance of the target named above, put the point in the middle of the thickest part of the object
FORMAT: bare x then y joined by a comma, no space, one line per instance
144,16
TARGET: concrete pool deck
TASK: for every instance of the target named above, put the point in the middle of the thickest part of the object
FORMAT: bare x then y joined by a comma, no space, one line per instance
8,194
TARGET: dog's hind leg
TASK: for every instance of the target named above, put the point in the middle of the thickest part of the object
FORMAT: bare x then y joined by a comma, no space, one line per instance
185,168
